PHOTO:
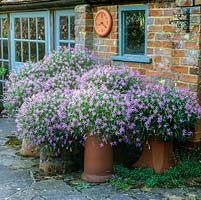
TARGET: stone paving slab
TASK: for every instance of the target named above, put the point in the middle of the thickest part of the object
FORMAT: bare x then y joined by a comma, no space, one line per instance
20,180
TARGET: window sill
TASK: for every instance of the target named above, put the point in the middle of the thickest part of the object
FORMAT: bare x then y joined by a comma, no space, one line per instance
136,58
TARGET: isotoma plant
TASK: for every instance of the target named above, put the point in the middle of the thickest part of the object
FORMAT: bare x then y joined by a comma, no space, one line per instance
60,69
163,111
116,78
97,112
40,120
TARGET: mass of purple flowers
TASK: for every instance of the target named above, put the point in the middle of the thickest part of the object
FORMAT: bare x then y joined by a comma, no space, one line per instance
59,70
67,97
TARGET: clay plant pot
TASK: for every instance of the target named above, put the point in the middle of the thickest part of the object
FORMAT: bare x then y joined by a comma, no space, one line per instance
157,154
98,161
29,149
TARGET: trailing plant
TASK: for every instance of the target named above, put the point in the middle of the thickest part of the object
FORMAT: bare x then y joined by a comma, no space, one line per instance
116,78
60,69
93,111
162,111
39,120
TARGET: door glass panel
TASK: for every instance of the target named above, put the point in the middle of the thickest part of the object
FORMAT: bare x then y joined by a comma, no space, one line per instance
63,27
32,28
17,28
33,51
25,28
1,49
25,51
6,67
72,27
41,50
18,51
5,49
41,28
72,45
5,27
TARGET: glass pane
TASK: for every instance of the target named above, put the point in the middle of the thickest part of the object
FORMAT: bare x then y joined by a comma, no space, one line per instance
63,44
25,51
33,51
17,28
41,28
1,44
1,93
32,22
41,50
18,51
5,27
63,28
5,49
6,67
72,45
134,32
25,28
72,27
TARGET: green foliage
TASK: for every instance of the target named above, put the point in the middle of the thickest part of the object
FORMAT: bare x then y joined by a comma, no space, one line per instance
126,178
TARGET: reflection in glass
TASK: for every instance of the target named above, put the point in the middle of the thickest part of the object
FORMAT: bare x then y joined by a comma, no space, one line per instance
63,44
1,49
5,27
25,28
134,32
25,51
41,50
72,27
32,22
41,28
5,49
17,28
63,28
72,45
18,51
33,52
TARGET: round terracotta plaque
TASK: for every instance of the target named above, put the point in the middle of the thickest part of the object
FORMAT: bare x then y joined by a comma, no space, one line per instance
103,22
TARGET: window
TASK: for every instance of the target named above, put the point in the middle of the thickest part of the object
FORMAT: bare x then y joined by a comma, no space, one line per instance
29,37
65,28
132,34
4,63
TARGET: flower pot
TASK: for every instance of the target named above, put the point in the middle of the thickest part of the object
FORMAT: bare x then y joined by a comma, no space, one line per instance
157,154
50,163
98,161
29,149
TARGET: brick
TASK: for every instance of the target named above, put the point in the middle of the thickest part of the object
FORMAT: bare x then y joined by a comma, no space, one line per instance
152,73
184,2
157,59
181,85
189,61
169,28
180,69
178,53
189,78
146,66
197,2
156,13
152,28
191,45
195,70
162,21
150,50
151,36
169,12
168,75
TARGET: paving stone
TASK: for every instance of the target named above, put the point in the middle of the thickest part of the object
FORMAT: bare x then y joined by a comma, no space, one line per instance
120,197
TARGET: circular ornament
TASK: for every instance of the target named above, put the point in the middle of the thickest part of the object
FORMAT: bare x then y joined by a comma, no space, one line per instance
103,22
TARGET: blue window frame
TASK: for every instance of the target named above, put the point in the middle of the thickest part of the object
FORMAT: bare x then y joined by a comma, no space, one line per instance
30,38
64,28
4,60
133,34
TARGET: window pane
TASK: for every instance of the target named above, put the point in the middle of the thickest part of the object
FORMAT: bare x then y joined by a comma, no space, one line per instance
6,67
17,28
41,50
33,51
32,22
134,32
5,49
25,51
63,44
1,49
5,27
25,28
63,28
41,28
72,45
72,27
18,51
